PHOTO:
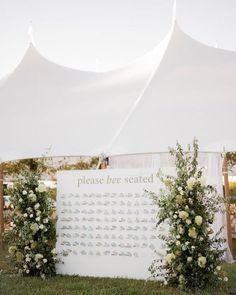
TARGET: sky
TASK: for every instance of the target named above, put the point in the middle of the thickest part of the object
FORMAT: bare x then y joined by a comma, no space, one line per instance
101,35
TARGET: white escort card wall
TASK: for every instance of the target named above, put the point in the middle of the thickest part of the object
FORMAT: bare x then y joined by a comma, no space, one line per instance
106,222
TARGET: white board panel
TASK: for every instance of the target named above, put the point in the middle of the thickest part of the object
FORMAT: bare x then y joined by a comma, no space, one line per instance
106,222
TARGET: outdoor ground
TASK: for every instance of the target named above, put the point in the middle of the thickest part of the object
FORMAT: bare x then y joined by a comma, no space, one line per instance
11,284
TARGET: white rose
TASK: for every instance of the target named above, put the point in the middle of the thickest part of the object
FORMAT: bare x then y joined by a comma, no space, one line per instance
183,215
41,188
201,261
38,256
198,220
188,221
192,233
169,258
191,182
32,198
54,251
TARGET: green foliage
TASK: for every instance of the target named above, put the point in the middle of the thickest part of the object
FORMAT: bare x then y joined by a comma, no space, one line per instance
188,205
231,158
33,235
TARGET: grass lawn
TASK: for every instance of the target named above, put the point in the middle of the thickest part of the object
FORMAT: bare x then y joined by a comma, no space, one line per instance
11,284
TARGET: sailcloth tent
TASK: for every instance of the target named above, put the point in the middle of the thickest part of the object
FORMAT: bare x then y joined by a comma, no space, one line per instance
192,93
179,90
74,112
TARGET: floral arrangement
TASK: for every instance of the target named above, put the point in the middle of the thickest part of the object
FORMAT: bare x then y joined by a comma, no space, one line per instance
188,205
33,234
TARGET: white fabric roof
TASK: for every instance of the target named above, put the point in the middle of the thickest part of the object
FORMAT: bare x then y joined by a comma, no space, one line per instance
179,90
74,112
192,93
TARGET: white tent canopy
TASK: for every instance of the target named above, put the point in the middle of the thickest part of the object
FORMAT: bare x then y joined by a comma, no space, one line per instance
179,90
192,93
74,112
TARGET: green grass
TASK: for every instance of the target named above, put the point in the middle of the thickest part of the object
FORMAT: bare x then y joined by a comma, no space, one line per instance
11,284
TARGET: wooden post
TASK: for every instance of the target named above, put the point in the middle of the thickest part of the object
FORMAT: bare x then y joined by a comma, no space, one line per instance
1,207
227,198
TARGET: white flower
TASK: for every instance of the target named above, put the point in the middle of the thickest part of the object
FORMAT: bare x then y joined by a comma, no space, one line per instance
41,188
20,200
54,251
27,259
32,198
24,192
27,271
177,243
45,220
179,199
198,220
37,218
31,215
25,215
192,233
36,206
189,259
218,268
45,260
188,221
209,230
191,182
178,237
41,226
226,279
38,256
169,258
180,230
201,261
183,215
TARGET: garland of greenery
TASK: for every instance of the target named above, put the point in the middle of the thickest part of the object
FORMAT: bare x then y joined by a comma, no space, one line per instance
33,234
188,205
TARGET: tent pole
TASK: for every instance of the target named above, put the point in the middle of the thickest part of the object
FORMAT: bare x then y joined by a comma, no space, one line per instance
227,198
1,207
